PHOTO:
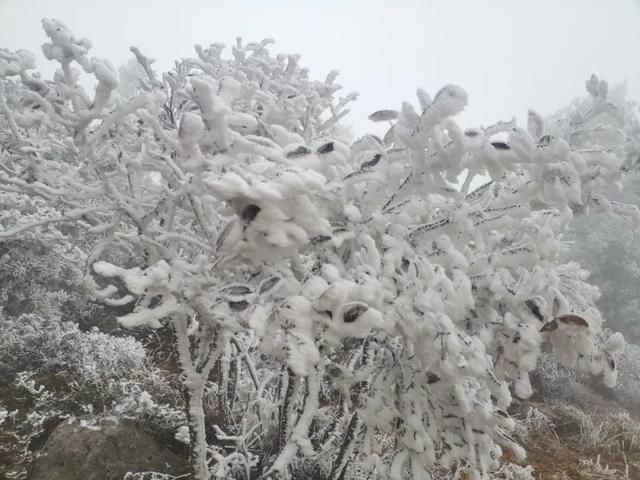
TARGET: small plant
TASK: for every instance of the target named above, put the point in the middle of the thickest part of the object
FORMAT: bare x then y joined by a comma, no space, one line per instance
512,471
591,431
595,469
535,422
626,431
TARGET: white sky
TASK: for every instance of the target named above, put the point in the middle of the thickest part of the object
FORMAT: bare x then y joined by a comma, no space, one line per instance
510,55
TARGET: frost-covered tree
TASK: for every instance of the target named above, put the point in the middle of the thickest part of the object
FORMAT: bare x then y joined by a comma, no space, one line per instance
348,309
609,247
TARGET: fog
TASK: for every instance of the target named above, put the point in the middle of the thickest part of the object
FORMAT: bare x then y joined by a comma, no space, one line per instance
509,55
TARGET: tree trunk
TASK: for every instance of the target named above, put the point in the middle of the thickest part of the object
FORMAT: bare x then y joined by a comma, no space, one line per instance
193,381
193,396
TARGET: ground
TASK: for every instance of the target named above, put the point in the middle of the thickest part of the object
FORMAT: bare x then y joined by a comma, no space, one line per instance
568,452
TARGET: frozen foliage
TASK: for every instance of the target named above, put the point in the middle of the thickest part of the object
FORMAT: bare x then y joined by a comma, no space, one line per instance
37,279
58,347
393,309
50,370
89,368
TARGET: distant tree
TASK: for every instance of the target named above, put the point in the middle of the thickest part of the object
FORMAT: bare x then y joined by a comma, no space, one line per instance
392,308
608,246
610,249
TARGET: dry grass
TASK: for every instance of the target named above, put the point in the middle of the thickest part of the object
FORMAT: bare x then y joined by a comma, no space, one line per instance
584,446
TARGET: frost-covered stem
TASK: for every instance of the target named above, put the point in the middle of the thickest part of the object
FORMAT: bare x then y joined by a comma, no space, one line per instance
234,379
193,388
122,111
4,108
224,366
68,78
333,432
197,434
348,444
197,211
286,407
300,432
145,63
247,360
467,182
74,216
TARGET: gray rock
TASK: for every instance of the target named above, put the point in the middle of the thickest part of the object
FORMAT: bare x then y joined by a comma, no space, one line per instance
106,452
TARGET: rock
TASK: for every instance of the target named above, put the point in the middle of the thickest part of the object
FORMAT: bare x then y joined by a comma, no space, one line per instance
104,452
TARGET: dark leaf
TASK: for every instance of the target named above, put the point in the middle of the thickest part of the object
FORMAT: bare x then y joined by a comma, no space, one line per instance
383,115
224,233
268,284
326,148
299,152
238,306
471,133
534,309
250,212
353,174
354,312
432,378
237,290
545,140
320,239
500,146
574,320
610,361
549,327
371,163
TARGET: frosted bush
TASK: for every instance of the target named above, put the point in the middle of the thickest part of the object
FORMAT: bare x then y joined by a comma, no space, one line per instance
53,371
52,346
534,422
85,368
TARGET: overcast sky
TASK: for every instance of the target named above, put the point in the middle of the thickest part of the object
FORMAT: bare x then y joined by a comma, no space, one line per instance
509,55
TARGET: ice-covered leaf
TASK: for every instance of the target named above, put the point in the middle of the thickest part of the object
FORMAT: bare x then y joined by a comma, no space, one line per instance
383,115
